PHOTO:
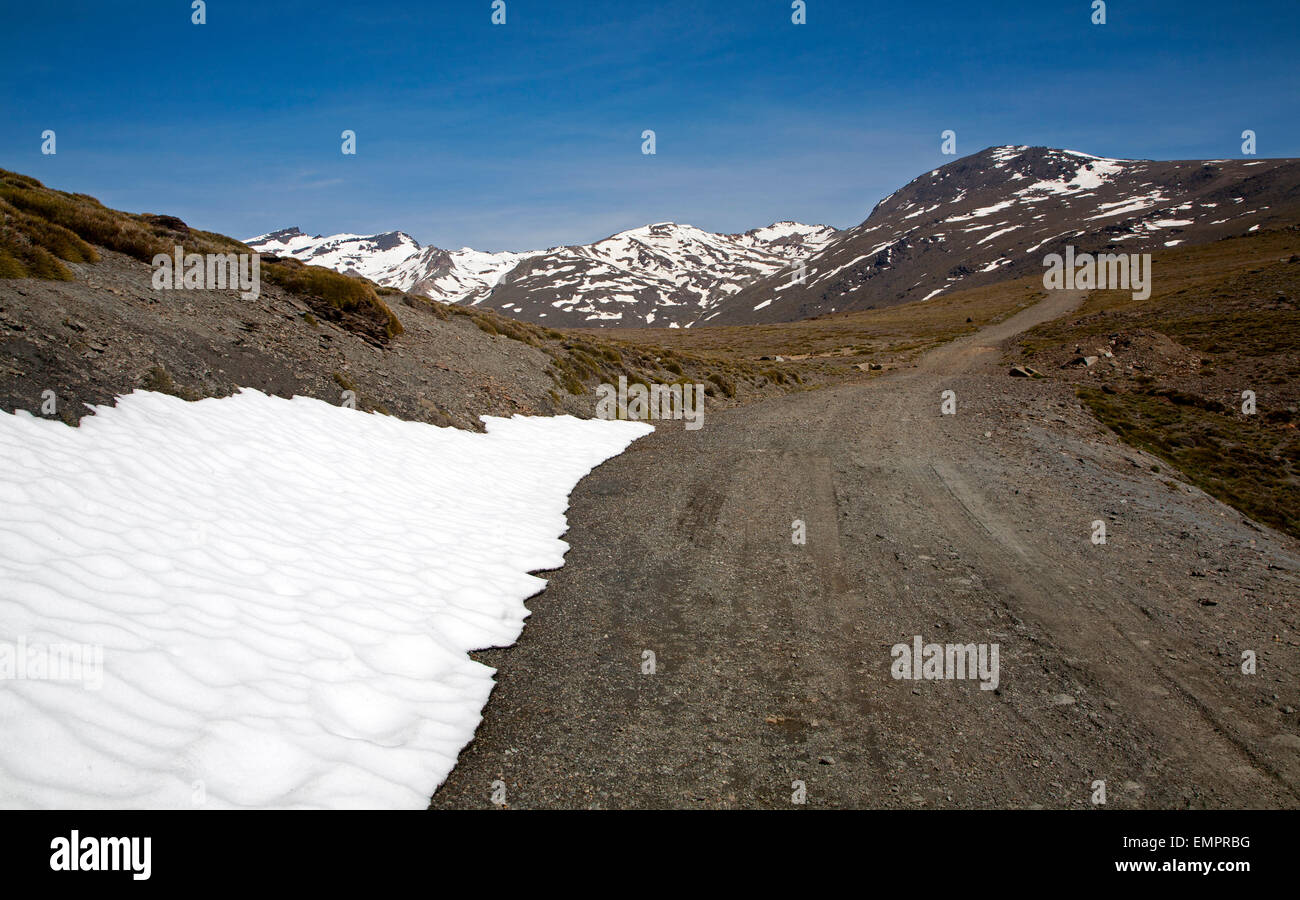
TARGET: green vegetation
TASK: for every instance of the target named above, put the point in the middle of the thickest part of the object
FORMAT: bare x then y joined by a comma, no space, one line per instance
415,301
341,293
1222,318
41,228
732,360
581,360
160,380
838,345
64,226
1246,461
722,383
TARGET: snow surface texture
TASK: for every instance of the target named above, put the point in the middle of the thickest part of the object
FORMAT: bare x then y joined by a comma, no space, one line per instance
284,592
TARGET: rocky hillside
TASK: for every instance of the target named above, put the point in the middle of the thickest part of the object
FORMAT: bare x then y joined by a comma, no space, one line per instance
83,322
1203,374
994,216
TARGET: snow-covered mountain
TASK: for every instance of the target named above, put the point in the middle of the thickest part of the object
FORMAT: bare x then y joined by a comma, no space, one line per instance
664,274
984,218
667,275
995,214
395,259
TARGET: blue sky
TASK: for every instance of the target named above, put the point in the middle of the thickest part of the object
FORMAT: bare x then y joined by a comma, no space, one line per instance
528,134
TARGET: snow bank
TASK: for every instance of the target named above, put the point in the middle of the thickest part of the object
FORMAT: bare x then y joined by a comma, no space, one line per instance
284,592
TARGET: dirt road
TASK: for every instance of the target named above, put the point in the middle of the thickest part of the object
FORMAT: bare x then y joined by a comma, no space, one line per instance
1118,662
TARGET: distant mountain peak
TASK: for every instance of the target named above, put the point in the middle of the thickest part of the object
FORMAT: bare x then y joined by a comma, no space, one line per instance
993,215
975,220
664,273
283,235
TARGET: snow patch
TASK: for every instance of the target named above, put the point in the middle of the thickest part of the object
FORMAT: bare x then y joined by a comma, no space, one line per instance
284,592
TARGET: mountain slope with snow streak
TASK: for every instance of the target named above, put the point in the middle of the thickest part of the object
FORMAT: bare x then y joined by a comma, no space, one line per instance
666,274
981,219
994,215
283,593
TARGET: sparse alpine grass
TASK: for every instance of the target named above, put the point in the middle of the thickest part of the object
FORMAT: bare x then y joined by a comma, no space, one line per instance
1222,318
158,379
733,361
42,228
335,292
582,360
1249,462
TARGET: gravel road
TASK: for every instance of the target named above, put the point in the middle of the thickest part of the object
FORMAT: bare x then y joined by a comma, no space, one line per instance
1118,662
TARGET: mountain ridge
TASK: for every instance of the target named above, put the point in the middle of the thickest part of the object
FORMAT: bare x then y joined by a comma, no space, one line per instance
983,218
664,272
994,215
